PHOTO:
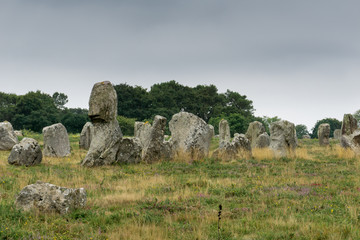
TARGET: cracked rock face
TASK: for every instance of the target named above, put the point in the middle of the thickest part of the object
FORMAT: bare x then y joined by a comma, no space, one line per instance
56,141
254,131
7,136
349,125
351,141
47,197
240,147
27,153
129,151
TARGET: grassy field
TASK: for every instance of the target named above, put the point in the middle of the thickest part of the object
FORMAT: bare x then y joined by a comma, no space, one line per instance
315,195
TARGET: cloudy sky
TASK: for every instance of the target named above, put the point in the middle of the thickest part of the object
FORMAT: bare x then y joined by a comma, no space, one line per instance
295,59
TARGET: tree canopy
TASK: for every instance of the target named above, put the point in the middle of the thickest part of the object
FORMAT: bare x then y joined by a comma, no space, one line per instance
334,124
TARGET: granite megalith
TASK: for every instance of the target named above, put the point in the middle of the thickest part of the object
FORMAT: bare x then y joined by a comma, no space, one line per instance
27,153
56,141
324,134
7,136
283,139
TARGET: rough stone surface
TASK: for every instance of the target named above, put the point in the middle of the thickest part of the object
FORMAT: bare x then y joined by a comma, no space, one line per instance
324,134
56,141
86,135
129,151
104,144
351,141
47,197
306,136
240,147
18,133
262,141
349,125
224,132
212,129
7,136
107,135
27,153
103,103
142,131
190,135
254,130
155,148
337,134
283,139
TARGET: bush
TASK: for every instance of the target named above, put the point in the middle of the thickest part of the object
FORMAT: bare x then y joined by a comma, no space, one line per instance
126,125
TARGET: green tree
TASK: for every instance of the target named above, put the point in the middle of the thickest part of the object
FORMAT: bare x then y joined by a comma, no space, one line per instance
301,130
126,125
238,123
7,106
60,99
334,124
357,116
267,121
74,119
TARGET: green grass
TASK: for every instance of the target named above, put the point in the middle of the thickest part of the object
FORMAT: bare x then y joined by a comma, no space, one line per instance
313,196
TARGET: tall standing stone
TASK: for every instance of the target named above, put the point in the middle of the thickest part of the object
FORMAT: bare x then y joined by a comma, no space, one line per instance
142,132
224,132
337,134
190,135
349,125
212,129
107,133
86,135
324,134
7,136
56,141
253,132
283,139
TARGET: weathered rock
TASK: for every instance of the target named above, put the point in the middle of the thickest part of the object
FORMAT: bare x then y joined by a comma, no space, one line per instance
86,135
262,141
155,148
103,103
212,129
107,134
18,133
337,134
254,130
190,135
7,136
349,124
224,132
324,134
306,136
142,131
240,147
283,139
56,141
47,197
129,151
104,144
27,153
351,141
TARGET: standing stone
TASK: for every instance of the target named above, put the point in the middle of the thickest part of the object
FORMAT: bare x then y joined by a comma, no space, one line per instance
155,147
212,129
262,141
349,125
56,141
107,133
7,136
283,139
142,132
27,153
224,132
351,141
254,130
324,134
190,135
337,134
240,147
86,135
306,136
47,197
129,151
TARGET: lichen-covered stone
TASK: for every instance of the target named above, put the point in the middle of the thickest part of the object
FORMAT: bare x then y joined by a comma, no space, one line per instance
56,141
142,131
324,134
130,151
224,132
240,147
349,125
262,141
351,141
254,130
337,134
283,139
27,153
86,135
7,136
47,197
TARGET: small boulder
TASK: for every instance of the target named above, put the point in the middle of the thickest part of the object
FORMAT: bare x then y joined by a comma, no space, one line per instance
86,135
306,136
7,136
283,139
324,134
56,141
240,147
129,151
47,197
27,153
18,133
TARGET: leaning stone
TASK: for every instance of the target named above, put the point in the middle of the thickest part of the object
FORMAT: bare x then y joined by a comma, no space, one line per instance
7,136
129,151
262,141
324,134
349,125
86,135
56,141
47,197
240,147
190,135
27,153
337,134
224,132
283,139
254,130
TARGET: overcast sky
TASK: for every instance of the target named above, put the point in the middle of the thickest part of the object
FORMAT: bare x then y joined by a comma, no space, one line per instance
295,59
